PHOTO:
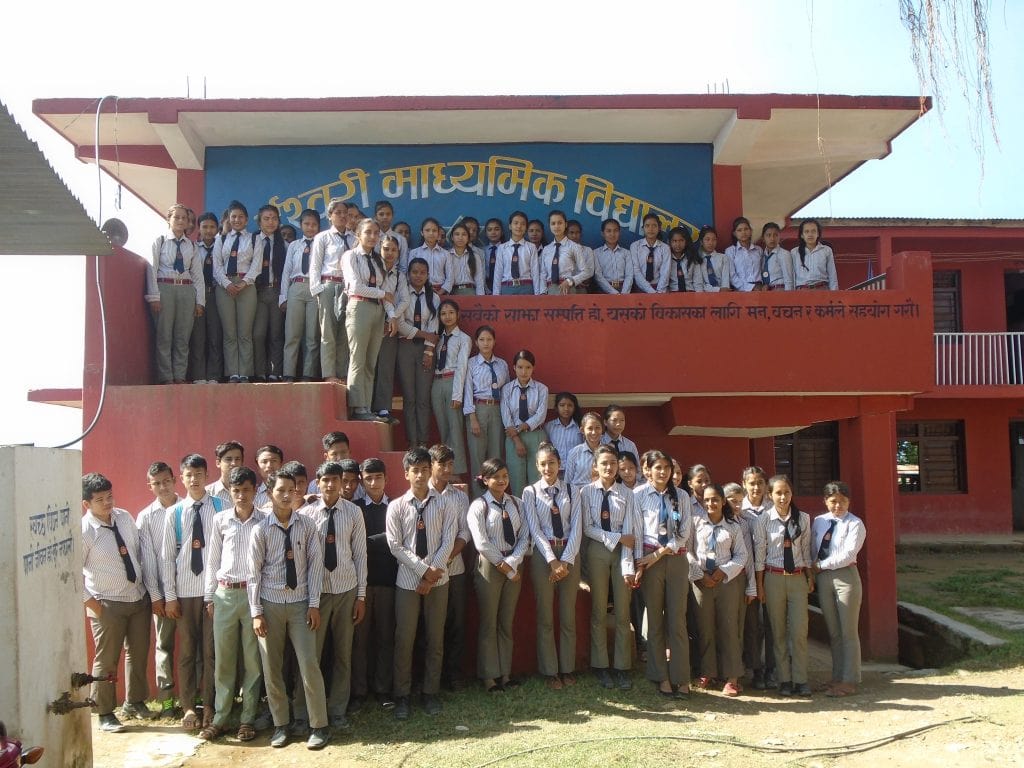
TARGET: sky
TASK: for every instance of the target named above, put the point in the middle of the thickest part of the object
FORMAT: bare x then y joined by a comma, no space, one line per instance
464,47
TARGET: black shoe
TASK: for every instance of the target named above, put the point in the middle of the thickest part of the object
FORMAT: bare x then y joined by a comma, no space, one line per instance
770,680
431,704
623,680
402,708
288,379
758,683
355,704
318,738
110,724
785,689
299,728
802,689
280,737
387,701
603,678
138,710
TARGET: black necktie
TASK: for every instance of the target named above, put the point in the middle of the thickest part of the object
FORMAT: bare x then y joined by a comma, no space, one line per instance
515,261
305,257
264,276
766,275
122,550
417,313
524,410
494,379
331,551
649,275
826,541
198,539
179,260
615,444
555,276
506,525
680,276
492,257
291,578
208,266
442,353
712,277
557,529
421,529
372,279
606,511
787,548
233,258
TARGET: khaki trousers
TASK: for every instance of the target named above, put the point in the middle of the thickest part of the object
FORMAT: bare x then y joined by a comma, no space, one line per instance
549,662
120,625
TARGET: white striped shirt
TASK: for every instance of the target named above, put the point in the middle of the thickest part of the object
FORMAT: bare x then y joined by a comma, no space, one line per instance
817,266
176,556
486,524
717,265
103,569
779,263
638,251
678,521
479,383
579,466
537,508
248,267
438,264
730,550
165,253
847,540
624,519
217,488
349,543
564,437
613,266
624,444
459,274
528,263
745,266
769,539
325,259
570,265
747,523
262,498
228,558
150,522
456,350
406,313
460,502
355,266
536,404
441,521
268,572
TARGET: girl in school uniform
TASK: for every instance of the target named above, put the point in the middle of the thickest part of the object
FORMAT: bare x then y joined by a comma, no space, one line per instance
613,264
494,231
814,264
516,269
176,294
837,538
301,321
501,537
524,404
235,271
680,245
486,375
614,425
697,479
563,431
403,228
650,258
416,314
777,264
435,254
782,563
744,257
580,464
464,268
717,562
451,358
667,531
553,513
561,261
535,234
717,274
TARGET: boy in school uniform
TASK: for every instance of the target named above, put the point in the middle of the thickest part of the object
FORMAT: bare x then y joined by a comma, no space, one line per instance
336,448
115,600
269,459
561,268
229,455
613,264
227,577
651,258
150,522
384,374
421,530
373,646
384,215
268,330
286,570
442,463
758,651
574,231
188,529
327,284
206,347
298,304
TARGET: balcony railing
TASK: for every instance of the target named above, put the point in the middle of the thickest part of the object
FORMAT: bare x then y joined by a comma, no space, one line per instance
979,359
876,283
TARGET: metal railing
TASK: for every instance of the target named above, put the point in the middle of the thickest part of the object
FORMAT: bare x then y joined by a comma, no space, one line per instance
876,283
979,359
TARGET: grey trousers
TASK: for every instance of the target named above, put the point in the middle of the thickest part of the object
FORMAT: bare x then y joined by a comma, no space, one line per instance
232,632
450,422
336,620
206,348
415,385
268,333
718,632
120,625
373,644
174,331
364,326
489,444
333,341
550,662
496,599
665,587
288,620
839,595
237,317
301,325
408,606
164,630
523,471
195,655
786,599
384,376
604,568
455,627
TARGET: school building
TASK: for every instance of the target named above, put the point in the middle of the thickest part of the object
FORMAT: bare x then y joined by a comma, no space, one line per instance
908,382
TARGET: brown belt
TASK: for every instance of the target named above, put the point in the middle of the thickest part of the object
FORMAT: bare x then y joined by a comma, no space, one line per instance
175,280
233,584
783,571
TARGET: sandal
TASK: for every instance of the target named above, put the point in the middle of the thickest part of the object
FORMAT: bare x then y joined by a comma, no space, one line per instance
703,682
209,732
246,732
190,721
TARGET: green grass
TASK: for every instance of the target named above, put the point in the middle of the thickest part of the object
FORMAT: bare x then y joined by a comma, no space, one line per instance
990,587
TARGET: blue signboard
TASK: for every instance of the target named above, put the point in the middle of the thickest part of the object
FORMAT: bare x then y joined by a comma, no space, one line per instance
589,182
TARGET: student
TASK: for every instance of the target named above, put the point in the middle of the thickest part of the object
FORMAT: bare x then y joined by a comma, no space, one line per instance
268,330
351,489
524,405
373,645
384,373
516,269
695,274
717,560
432,252
629,470
442,464
336,448
734,496
716,269
486,375
402,228
288,233
235,270
384,215
286,570
327,284
579,468
612,524
352,218
613,264
417,330
421,530
150,522
574,231
628,476
553,515
115,600
697,479
494,231
342,537
451,359
501,537
229,455
837,538
561,268
472,226
614,425
650,258
758,649
814,264
680,245
744,257
269,459
465,270
227,575
777,263
298,304
782,561
535,234
563,431
298,469
667,532
176,294
184,557
206,347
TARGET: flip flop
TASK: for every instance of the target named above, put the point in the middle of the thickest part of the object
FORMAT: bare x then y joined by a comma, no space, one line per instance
246,732
190,721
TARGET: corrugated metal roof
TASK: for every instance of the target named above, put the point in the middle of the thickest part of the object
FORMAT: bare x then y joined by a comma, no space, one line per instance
906,221
39,216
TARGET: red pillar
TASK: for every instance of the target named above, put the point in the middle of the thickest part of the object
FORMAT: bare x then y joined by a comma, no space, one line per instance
191,190
762,454
727,190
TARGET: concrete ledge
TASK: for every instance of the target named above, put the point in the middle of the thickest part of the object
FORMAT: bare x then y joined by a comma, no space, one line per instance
931,639
959,542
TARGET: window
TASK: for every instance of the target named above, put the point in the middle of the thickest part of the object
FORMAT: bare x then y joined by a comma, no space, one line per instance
810,457
930,457
946,298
